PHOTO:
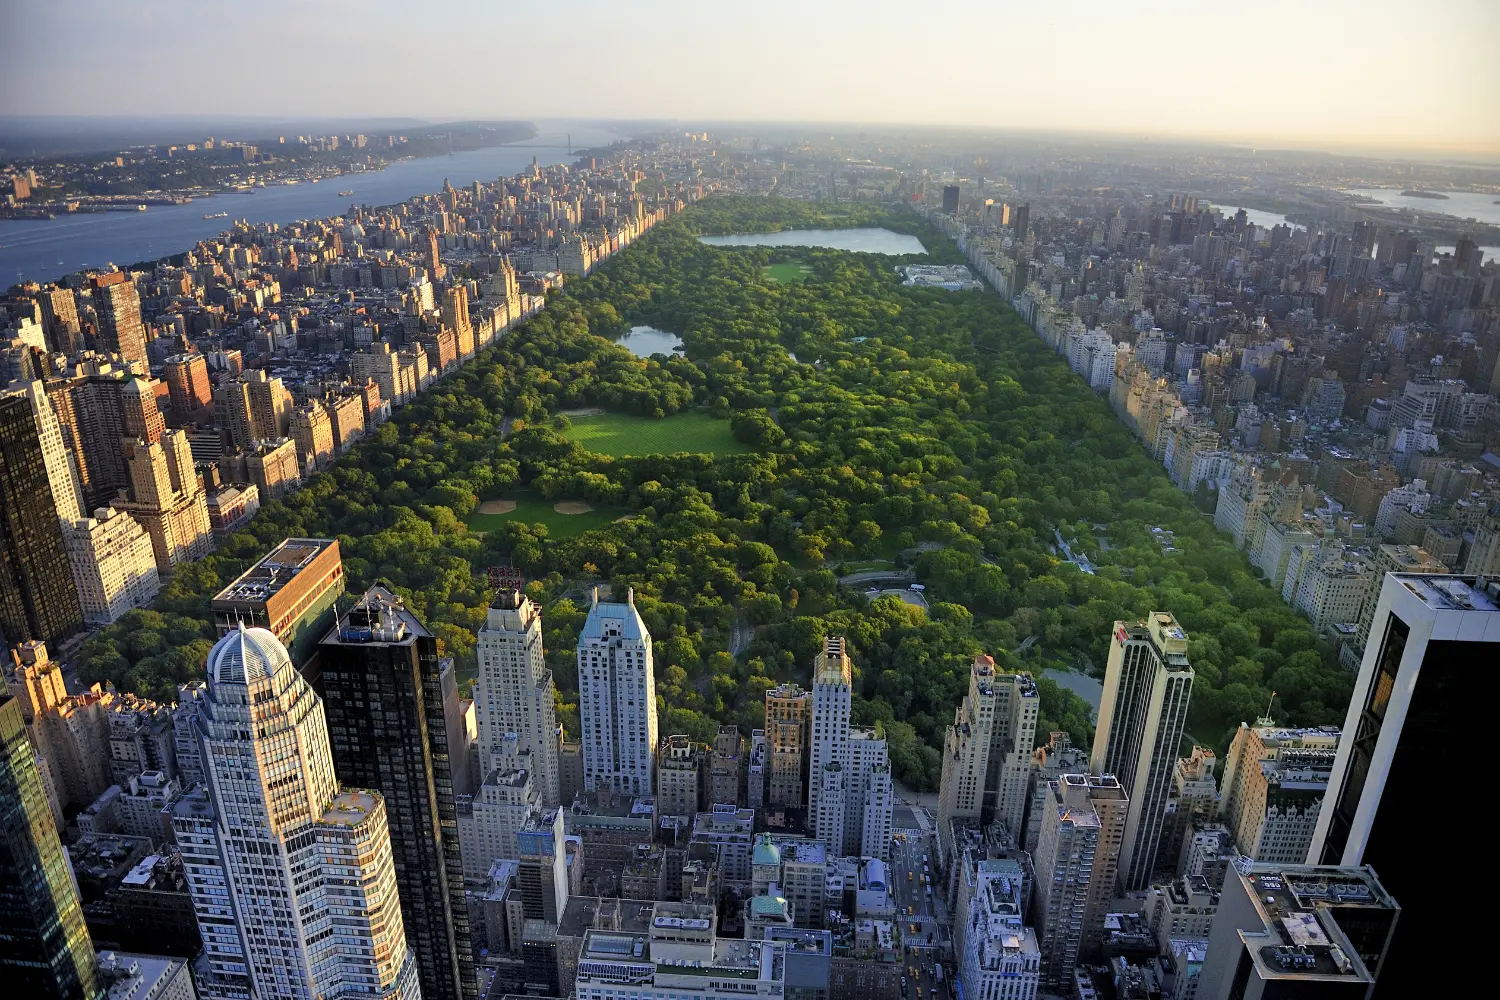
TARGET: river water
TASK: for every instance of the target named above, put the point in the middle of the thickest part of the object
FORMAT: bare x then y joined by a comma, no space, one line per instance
1460,204
44,250
864,240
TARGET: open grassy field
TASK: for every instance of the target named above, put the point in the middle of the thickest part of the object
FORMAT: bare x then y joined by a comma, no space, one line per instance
531,508
787,271
620,435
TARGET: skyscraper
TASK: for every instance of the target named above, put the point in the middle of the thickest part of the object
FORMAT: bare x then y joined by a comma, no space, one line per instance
1147,683
291,877
37,598
1426,682
60,319
966,753
1008,763
45,950
788,732
188,386
382,692
118,306
616,699
514,693
950,199
849,781
1020,220
62,476
1077,856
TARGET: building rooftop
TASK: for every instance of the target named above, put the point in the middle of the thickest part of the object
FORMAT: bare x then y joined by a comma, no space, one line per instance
275,570
1452,593
379,617
1299,906
632,916
351,807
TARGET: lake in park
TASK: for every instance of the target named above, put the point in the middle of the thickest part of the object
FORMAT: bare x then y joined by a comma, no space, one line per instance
644,341
865,240
1084,686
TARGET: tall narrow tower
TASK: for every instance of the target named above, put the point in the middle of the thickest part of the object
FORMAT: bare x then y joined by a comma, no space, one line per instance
833,679
514,695
1076,859
118,306
379,655
849,781
291,877
1147,684
45,950
616,699
966,752
37,596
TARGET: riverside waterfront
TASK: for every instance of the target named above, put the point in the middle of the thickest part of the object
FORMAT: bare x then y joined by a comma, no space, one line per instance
45,250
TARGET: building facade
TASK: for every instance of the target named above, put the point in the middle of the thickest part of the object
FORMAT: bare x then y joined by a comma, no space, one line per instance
514,692
45,951
113,564
1077,860
382,694
1423,683
291,877
1147,684
37,596
617,699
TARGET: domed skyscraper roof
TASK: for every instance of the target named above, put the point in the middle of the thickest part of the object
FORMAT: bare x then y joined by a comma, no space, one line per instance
245,654
765,853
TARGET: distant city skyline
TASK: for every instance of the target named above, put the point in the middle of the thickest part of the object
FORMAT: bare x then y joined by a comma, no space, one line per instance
1337,76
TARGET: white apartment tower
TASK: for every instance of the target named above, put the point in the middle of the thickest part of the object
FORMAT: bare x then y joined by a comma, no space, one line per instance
291,877
514,695
850,799
616,699
1147,683
1000,956
113,563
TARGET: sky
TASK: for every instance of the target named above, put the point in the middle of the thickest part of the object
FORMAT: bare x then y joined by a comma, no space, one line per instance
1332,74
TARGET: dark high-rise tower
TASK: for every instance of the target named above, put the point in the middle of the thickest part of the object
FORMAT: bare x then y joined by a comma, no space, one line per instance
383,695
950,199
45,951
1426,684
118,305
38,599
1020,220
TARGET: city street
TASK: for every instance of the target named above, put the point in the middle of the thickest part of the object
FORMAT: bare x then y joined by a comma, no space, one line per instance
920,913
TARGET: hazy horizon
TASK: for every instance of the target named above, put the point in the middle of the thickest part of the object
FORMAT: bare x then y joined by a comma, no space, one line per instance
1376,77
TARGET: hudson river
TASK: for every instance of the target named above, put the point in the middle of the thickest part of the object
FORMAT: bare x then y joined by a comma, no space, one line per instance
44,250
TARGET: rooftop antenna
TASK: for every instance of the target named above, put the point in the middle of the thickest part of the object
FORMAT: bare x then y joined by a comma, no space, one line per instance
1266,720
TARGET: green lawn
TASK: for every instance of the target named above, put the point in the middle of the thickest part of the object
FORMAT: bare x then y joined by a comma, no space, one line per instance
620,435
531,508
788,271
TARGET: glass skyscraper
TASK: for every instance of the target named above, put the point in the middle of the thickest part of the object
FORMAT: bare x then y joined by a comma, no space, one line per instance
382,691
45,951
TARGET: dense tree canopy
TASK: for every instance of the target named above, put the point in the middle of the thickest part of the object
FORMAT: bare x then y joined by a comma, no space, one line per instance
891,425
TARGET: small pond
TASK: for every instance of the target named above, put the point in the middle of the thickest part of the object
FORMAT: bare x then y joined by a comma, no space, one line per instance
644,341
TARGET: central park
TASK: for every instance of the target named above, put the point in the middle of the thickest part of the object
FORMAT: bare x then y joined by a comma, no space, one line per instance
821,417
